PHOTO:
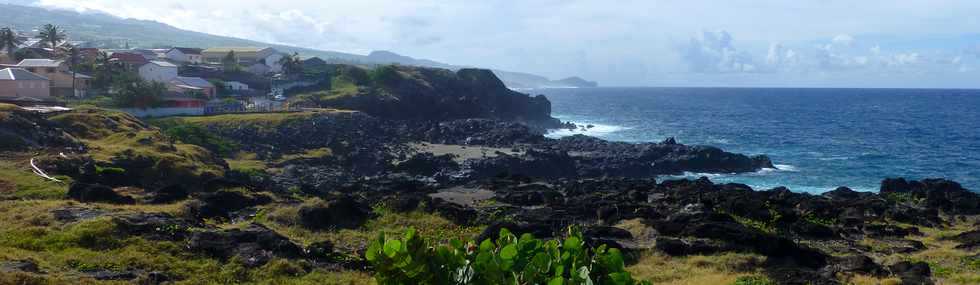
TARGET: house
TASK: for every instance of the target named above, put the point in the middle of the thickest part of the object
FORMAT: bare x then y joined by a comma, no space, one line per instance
246,56
177,99
236,86
62,81
192,84
88,54
258,69
130,60
149,54
158,71
18,84
314,62
185,55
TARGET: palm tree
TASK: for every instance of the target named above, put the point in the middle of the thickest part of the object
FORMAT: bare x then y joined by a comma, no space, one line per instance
9,42
230,62
105,67
291,63
51,35
73,58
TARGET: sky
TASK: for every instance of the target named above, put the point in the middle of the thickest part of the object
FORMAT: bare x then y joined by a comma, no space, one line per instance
801,43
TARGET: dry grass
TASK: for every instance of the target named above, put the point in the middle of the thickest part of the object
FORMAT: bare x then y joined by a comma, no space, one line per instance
28,231
642,234
948,264
869,280
246,161
111,135
725,268
285,220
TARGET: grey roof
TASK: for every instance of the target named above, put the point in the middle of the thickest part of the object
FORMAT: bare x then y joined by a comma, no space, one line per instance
162,63
40,62
185,50
19,74
82,76
194,82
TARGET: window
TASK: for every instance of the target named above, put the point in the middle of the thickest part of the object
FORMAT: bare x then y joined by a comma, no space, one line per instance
49,70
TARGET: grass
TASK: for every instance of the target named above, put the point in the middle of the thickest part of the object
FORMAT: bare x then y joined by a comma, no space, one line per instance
260,119
28,231
285,220
112,136
18,181
870,280
308,154
726,268
948,264
766,227
246,161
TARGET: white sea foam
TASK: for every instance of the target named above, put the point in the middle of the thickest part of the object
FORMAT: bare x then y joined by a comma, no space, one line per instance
786,167
596,130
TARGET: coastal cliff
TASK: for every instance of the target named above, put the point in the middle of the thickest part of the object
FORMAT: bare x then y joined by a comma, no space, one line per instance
417,93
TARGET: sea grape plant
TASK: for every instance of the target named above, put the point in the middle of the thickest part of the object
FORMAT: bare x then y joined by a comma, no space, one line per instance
508,260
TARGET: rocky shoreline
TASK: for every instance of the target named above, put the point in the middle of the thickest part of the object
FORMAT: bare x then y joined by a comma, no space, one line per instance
321,172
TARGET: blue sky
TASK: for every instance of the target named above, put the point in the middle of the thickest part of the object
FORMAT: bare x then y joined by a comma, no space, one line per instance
820,43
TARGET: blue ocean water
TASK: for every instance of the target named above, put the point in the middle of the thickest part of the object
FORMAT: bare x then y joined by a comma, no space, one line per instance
818,138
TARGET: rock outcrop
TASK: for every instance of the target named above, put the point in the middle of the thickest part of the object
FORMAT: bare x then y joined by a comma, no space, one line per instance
22,129
433,94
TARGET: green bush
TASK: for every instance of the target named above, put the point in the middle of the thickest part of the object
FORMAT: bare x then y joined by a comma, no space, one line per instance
509,260
196,135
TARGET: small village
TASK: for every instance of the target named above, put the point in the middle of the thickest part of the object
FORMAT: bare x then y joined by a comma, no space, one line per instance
47,69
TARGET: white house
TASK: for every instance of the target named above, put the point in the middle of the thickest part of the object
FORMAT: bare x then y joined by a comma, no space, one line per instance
251,57
159,71
236,86
186,55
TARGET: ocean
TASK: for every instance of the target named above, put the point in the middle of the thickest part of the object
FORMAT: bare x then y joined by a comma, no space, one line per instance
819,139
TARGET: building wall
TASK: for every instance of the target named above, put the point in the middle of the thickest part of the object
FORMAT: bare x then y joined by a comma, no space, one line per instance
153,72
236,86
270,56
177,55
25,88
164,112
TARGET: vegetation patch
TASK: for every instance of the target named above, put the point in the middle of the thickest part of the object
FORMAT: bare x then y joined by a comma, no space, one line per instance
199,136
724,268
18,181
118,140
508,260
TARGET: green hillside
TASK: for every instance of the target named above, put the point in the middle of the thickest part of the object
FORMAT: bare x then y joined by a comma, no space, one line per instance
110,31
107,31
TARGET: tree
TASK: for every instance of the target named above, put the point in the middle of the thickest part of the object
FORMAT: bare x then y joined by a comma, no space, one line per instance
74,57
291,63
25,53
133,92
230,62
9,42
104,67
51,35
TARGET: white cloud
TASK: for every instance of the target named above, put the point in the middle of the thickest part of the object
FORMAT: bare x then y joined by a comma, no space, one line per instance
631,43
715,52
843,40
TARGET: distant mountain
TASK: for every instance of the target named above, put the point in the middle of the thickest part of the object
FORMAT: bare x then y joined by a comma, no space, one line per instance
104,30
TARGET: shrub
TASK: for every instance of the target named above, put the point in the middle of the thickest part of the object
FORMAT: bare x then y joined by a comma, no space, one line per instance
509,260
196,135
